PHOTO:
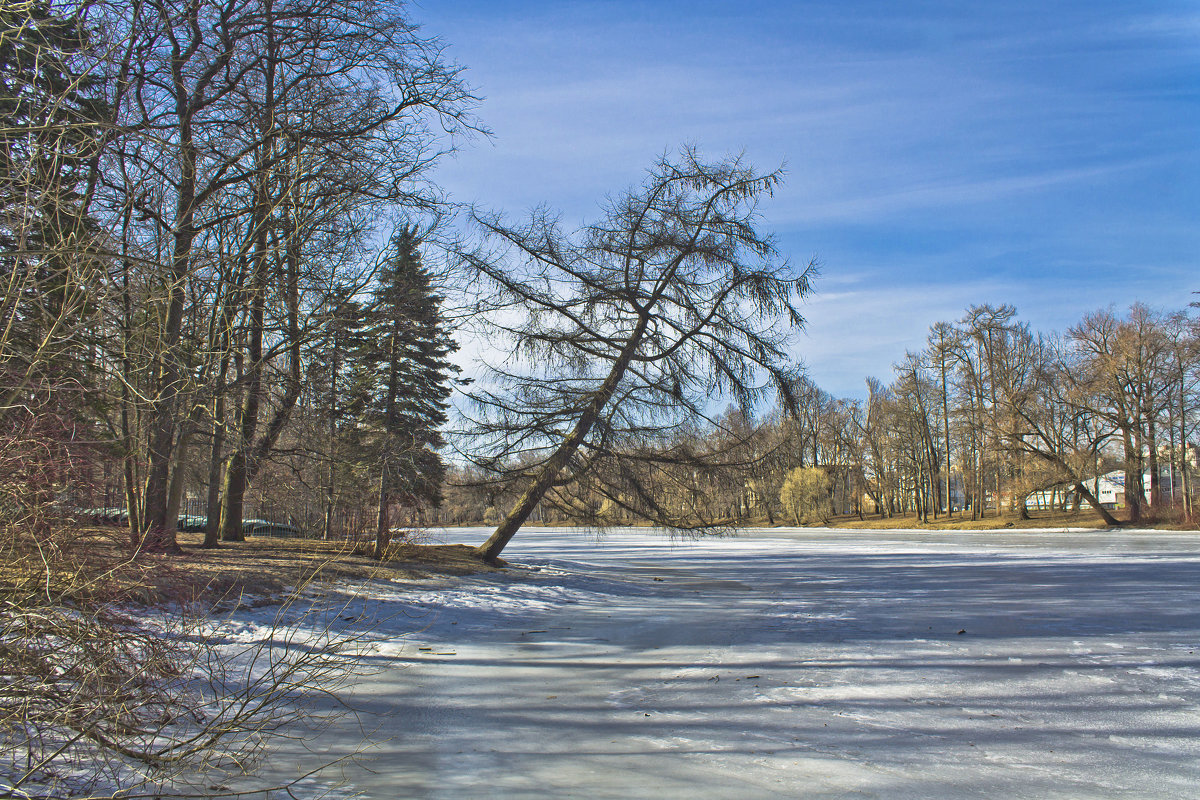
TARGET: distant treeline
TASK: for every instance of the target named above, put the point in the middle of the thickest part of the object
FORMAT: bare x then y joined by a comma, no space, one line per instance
989,413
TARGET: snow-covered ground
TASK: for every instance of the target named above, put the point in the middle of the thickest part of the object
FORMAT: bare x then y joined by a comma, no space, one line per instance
785,663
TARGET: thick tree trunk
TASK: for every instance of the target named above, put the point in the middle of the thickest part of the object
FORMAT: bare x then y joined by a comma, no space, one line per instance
157,533
383,532
178,473
490,550
1155,502
1080,488
946,423
1083,491
238,469
1184,478
233,497
1134,498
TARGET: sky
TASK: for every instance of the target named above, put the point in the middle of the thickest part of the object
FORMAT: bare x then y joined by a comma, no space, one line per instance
938,154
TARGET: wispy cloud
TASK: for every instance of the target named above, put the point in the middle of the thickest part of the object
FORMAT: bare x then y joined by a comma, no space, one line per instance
883,201
939,155
854,334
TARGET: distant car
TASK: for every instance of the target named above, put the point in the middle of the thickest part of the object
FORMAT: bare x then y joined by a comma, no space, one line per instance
250,526
190,523
261,527
106,516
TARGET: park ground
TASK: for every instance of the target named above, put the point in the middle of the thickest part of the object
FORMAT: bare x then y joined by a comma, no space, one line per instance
1035,661
261,569
789,662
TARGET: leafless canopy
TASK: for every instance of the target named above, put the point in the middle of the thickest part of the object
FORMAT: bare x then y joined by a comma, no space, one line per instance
631,328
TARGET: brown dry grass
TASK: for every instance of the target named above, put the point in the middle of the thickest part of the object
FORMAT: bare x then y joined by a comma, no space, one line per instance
258,571
1084,520
266,567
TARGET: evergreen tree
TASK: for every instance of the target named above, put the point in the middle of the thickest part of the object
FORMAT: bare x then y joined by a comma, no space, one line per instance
405,382
51,113
338,396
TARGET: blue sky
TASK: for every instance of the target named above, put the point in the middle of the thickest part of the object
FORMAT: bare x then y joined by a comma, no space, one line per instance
939,154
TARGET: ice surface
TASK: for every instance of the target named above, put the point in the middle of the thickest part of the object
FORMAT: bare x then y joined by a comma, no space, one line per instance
783,663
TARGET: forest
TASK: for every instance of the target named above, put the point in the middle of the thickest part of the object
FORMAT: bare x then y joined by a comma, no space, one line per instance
233,298
991,418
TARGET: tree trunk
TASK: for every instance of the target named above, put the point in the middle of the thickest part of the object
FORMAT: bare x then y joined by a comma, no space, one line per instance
946,423
178,473
490,550
157,534
238,470
383,532
1184,480
129,463
1152,466
132,502
1133,477
1083,491
331,474
212,522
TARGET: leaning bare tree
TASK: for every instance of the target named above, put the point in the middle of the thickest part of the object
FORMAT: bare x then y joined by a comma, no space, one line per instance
628,329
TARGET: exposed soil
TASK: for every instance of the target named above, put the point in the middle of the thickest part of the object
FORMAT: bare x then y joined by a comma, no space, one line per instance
257,571
264,567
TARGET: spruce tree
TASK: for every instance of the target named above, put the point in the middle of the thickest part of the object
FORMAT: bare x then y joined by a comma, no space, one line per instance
406,380
52,110
337,396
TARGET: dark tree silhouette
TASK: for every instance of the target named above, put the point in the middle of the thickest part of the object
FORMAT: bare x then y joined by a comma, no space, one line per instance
406,381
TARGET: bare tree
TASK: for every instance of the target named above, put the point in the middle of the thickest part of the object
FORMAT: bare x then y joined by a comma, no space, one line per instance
1185,370
255,145
912,388
941,344
1123,376
1048,421
630,326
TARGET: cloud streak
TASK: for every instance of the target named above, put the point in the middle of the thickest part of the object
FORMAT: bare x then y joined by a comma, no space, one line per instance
943,154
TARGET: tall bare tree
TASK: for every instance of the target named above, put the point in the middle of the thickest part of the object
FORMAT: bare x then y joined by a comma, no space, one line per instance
630,326
1122,372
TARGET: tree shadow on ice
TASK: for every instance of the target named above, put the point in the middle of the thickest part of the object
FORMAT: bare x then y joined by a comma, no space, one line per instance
769,599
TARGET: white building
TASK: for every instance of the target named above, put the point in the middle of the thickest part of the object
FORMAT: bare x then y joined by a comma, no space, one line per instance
1109,489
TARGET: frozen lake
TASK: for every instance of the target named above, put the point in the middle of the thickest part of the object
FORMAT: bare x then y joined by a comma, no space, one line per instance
789,663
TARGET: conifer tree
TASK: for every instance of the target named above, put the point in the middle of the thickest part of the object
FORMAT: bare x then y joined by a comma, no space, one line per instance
51,114
406,381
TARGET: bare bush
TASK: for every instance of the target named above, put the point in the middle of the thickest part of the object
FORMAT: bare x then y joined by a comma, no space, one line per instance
104,702
102,696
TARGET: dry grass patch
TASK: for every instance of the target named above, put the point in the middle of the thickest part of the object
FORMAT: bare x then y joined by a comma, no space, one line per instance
1083,520
97,563
265,568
